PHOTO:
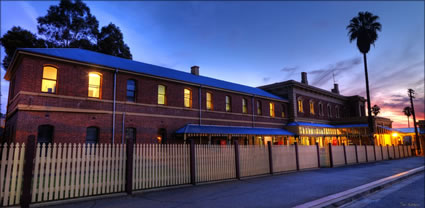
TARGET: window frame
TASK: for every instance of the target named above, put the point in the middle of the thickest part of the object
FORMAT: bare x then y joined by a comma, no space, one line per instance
311,106
329,108
100,85
48,79
134,91
259,107
244,106
321,111
228,102
165,94
282,114
272,109
190,97
300,105
209,105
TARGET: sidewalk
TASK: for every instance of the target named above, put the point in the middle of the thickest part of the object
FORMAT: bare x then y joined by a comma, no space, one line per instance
286,190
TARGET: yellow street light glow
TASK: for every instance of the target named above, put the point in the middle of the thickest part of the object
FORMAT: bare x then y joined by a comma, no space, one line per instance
395,134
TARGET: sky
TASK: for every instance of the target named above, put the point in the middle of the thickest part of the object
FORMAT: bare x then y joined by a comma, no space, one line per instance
258,43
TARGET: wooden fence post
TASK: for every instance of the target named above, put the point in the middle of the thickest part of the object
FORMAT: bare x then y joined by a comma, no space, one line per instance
296,156
269,145
331,160
374,152
192,162
28,169
365,150
318,154
345,154
129,167
237,166
357,156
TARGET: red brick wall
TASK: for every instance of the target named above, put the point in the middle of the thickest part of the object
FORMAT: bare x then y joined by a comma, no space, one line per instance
306,108
144,115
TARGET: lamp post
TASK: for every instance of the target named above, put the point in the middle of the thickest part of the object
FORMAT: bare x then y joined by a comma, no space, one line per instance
411,93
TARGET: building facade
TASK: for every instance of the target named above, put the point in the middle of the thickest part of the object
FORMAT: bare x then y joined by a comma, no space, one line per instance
75,95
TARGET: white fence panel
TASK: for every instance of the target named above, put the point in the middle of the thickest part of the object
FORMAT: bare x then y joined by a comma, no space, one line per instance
11,167
351,154
361,153
284,158
214,162
385,152
307,156
254,160
338,157
397,152
370,153
378,153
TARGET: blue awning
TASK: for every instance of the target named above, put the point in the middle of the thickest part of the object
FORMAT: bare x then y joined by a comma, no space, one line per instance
210,129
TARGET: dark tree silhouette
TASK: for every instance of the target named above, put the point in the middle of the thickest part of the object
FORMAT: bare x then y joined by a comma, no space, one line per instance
67,25
376,110
408,112
364,28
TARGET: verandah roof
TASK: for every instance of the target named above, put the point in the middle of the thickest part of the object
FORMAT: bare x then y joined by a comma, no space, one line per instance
231,130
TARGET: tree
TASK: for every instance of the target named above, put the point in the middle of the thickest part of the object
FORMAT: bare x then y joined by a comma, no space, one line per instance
408,112
18,38
364,28
68,23
376,110
111,41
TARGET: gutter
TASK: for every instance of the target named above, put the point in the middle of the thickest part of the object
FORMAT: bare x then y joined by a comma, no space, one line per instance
200,104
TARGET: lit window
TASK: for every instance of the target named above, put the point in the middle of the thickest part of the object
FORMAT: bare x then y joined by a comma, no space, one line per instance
259,108
228,104
300,106
244,106
209,101
131,90
94,85
187,98
271,109
48,83
162,96
283,111
311,107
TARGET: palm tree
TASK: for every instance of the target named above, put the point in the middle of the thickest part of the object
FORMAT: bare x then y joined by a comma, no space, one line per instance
408,112
364,28
376,110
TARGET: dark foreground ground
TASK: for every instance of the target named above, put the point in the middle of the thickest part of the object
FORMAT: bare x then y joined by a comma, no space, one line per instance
285,190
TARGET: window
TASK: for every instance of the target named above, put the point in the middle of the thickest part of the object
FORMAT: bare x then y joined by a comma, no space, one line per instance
329,111
95,80
162,95
45,134
283,111
244,106
228,104
336,111
92,135
272,109
312,107
300,106
48,84
130,134
259,108
320,109
209,101
187,98
131,90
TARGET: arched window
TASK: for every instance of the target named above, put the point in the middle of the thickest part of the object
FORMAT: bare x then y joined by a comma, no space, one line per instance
92,135
131,90
337,111
162,136
45,134
187,98
162,94
130,134
259,108
329,111
228,104
283,110
300,105
210,105
272,114
312,107
95,85
244,106
321,109
48,84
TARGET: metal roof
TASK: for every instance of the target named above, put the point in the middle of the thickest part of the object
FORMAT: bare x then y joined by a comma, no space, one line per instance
326,125
351,125
210,129
101,59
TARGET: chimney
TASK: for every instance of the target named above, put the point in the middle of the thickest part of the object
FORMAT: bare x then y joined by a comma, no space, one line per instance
335,89
304,78
194,70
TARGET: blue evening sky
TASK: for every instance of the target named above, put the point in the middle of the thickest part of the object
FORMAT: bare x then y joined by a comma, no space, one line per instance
258,43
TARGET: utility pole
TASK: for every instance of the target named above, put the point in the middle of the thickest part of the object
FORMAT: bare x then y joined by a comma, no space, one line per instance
411,93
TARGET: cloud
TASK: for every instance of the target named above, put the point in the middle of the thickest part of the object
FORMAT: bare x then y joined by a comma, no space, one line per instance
322,76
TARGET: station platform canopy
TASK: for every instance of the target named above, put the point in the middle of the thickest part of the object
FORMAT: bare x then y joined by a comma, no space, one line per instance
195,129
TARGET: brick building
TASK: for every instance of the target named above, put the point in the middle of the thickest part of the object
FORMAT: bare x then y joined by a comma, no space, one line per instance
75,95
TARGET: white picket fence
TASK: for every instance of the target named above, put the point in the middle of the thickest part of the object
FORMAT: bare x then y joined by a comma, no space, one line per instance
284,158
214,162
12,161
254,160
